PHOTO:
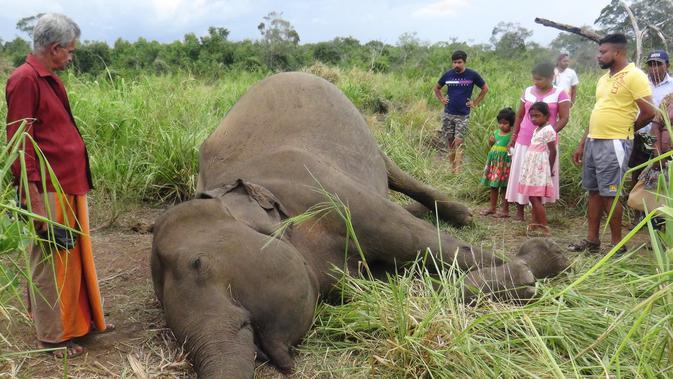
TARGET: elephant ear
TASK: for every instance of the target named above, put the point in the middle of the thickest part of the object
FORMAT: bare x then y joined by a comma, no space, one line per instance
264,198
265,220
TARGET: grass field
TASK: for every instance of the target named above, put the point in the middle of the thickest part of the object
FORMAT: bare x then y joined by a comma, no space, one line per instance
609,317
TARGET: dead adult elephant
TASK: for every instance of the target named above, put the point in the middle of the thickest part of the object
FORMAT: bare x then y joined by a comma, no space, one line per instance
230,289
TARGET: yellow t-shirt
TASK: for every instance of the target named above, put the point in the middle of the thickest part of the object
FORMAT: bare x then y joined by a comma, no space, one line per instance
616,110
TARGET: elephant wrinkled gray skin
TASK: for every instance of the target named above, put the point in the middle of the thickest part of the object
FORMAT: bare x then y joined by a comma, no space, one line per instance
232,291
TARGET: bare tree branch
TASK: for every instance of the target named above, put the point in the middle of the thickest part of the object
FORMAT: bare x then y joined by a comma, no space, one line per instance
638,33
660,34
584,32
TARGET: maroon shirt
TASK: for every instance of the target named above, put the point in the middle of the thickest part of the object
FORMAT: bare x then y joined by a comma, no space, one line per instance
35,94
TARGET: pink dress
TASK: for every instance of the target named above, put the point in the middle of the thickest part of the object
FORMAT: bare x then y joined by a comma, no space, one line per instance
536,179
554,97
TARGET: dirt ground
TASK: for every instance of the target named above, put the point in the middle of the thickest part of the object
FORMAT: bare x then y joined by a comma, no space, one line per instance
141,346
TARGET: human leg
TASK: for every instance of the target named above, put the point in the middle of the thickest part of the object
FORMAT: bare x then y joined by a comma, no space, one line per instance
537,211
63,303
458,156
594,203
505,204
520,216
493,202
616,219
448,135
594,214
611,164
461,128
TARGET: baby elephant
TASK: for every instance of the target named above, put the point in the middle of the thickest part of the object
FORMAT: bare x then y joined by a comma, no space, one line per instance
232,288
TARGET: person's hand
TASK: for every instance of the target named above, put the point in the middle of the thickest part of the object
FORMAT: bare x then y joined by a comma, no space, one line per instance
37,207
471,104
511,143
577,155
553,173
444,100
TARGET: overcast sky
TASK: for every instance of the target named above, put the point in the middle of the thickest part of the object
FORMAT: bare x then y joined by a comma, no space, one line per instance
314,20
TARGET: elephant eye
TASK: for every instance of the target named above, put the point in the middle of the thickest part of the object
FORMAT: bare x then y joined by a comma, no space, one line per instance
196,263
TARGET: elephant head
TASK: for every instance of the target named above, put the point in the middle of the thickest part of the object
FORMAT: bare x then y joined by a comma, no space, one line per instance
227,284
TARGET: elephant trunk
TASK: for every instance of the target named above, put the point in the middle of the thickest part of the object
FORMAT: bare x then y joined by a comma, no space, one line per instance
216,332
217,353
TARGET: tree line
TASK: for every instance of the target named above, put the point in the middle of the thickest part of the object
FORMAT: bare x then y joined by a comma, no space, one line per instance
279,48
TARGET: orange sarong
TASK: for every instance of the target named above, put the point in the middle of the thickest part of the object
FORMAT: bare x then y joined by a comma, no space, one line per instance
65,299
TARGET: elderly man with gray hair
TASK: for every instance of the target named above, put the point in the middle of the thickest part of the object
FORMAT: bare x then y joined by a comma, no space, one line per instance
65,300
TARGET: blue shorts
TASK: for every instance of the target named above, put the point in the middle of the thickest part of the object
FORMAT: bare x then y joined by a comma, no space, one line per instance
604,164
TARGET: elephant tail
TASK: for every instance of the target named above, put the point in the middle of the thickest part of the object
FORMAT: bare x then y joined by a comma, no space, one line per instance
428,196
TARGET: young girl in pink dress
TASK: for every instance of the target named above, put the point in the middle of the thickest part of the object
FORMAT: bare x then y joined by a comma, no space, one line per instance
559,110
538,168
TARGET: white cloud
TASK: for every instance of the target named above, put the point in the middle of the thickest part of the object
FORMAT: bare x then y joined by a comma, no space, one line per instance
442,8
185,12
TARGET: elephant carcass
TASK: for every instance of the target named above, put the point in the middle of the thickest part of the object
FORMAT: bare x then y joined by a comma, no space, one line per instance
232,288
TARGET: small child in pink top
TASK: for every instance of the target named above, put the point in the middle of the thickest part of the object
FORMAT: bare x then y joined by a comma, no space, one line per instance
538,166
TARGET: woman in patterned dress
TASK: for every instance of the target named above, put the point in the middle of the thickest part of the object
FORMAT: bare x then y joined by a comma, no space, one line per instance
537,169
559,111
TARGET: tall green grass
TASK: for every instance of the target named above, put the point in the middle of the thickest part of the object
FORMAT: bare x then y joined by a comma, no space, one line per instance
607,317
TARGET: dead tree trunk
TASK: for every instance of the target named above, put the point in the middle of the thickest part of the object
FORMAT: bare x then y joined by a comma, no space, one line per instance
590,34
584,32
636,30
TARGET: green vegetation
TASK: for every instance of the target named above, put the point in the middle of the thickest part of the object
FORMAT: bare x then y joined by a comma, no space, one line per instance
143,135
144,108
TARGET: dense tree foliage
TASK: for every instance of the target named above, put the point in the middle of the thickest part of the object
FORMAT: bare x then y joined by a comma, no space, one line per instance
279,49
653,15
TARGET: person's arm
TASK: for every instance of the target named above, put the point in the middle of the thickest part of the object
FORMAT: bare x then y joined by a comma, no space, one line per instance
579,152
563,115
517,125
573,94
22,95
438,94
552,156
491,140
646,112
475,103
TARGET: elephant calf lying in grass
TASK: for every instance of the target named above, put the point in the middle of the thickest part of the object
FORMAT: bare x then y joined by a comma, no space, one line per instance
232,288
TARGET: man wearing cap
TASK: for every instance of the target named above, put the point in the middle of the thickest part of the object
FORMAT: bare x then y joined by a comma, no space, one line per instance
661,84
623,105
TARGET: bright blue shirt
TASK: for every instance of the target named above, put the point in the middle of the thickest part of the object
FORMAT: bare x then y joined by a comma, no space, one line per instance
459,89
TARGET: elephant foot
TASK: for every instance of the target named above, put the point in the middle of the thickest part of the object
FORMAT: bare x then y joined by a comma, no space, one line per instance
512,281
455,213
279,354
260,355
544,258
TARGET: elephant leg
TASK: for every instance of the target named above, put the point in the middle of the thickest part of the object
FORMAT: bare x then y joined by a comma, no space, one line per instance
391,234
417,209
510,281
454,213
279,353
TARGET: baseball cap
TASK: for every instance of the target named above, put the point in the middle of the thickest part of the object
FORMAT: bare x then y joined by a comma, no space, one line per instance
658,56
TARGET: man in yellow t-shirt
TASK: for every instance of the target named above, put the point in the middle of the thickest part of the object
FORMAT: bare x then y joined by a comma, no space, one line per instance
623,105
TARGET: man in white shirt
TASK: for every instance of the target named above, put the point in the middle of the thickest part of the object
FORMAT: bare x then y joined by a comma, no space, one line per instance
565,77
660,81
661,84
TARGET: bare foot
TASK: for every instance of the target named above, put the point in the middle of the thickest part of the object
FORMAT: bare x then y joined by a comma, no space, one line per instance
62,349
109,327
487,212
538,230
502,215
518,218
